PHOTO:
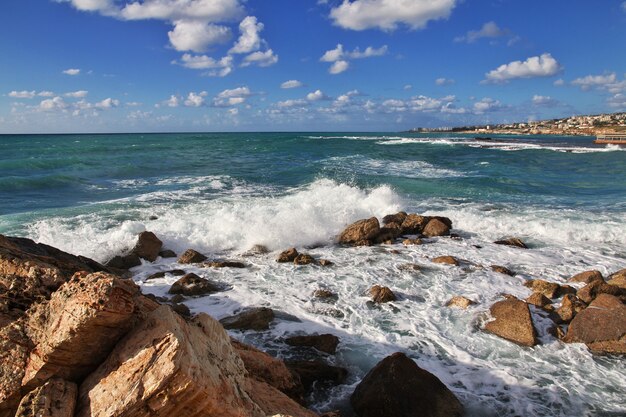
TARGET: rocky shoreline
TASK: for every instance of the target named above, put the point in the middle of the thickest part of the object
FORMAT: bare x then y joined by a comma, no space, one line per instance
78,338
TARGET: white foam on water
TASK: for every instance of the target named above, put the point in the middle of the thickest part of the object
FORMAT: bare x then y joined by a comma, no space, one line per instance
401,169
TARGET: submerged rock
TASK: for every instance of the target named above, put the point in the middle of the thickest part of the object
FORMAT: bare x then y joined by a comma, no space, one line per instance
258,318
382,294
324,294
304,259
191,256
460,302
191,285
167,253
513,241
397,387
323,342
502,270
288,255
224,264
512,322
411,242
448,260
361,231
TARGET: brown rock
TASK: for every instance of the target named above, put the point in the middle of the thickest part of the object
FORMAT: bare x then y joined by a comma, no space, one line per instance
436,227
397,218
191,256
191,284
304,259
323,342
512,322
409,267
362,230
618,279
413,224
14,349
324,294
411,242
570,306
587,277
397,387
252,319
224,264
288,255
124,261
382,294
56,398
448,260
167,253
502,270
513,241
181,309
601,326
549,289
325,262
147,246
317,371
389,232
168,367
274,402
590,291
538,299
460,302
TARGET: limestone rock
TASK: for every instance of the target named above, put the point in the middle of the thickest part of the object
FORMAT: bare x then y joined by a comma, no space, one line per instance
224,264
288,255
590,291
448,260
56,398
325,262
360,231
413,224
147,246
502,270
272,401
601,326
618,279
549,289
317,371
587,277
167,253
389,232
513,241
168,367
191,256
324,294
191,285
323,342
460,302
512,322
304,259
252,319
128,261
436,227
397,218
14,349
411,242
397,387
382,294
538,299
570,306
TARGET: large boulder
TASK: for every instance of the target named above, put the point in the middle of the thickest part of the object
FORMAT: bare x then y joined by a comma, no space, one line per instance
413,224
148,246
124,262
167,367
56,398
317,371
549,289
191,285
382,294
362,231
323,342
191,256
512,322
618,278
436,227
570,306
397,218
397,387
258,318
288,255
587,277
601,326
590,291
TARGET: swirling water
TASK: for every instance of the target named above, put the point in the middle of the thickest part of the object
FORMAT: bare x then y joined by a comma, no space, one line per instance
223,193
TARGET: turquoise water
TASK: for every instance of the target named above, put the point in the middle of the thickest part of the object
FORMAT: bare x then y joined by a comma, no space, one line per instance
223,193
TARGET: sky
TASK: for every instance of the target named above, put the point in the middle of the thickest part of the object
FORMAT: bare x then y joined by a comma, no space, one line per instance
80,66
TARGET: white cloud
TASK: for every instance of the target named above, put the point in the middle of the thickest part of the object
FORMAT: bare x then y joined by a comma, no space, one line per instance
232,97
53,104
71,71
618,100
107,103
197,36
291,84
559,83
45,94
195,99
317,95
489,30
487,105
536,66
102,6
407,87
624,6
292,103
388,14
132,104
173,101
607,82
544,101
249,40
222,66
207,10
261,59
338,67
444,81
333,54
419,104
22,94
77,94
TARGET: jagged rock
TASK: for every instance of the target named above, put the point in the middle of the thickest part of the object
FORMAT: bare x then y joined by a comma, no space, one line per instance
436,227
161,274
549,289
413,224
288,255
181,309
513,241
272,371
168,367
147,246
512,322
538,299
389,232
224,264
191,285
360,231
272,401
56,398
502,270
590,291
448,260
325,262
334,413
252,319
124,261
191,256
587,277
460,301
323,342
324,294
317,371
411,242
397,387
409,267
570,306
601,326
14,349
304,259
618,279
167,253
382,294
397,218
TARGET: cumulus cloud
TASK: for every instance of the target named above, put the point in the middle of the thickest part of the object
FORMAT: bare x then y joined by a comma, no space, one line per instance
261,59
339,57
487,105
419,104
77,94
207,10
71,71
607,82
544,101
489,30
388,14
291,84
197,36
317,95
173,101
22,94
338,67
232,97
559,83
249,40
292,103
52,104
618,101
195,99
444,81
221,67
107,103
536,66
45,94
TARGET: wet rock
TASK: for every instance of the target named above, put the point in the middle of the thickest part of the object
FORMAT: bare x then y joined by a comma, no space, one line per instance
397,218
460,302
382,294
325,262
361,231
502,270
618,279
176,299
273,402
538,299
191,285
224,264
448,260
257,250
397,387
389,232
166,367
409,267
288,255
601,326
549,289
167,253
334,413
258,318
413,224
512,322
590,291
147,246
323,342
191,256
436,227
304,259
513,241
124,261
587,277
56,398
411,242
156,275
317,371
324,294
570,306
181,309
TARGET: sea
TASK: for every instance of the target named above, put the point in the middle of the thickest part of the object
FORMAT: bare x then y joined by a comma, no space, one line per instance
223,193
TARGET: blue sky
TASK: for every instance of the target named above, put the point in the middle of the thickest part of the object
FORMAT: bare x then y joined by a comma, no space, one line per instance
323,65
